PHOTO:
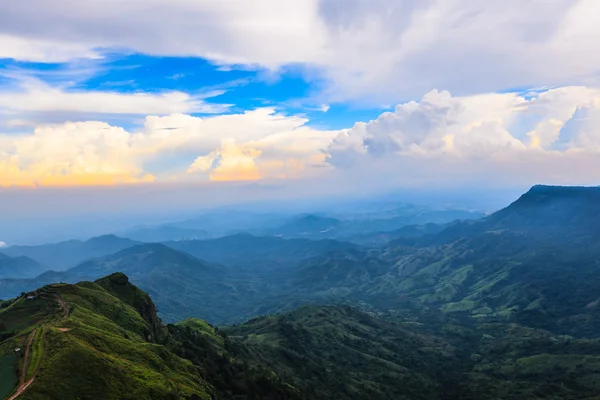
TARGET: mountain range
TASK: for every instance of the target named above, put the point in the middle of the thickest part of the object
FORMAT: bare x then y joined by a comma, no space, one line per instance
64,255
505,306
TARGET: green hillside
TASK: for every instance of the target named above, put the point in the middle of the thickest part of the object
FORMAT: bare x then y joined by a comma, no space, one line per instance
103,339
97,340
342,353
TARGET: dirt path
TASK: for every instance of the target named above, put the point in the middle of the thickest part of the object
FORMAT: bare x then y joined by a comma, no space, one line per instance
22,384
21,389
26,359
63,305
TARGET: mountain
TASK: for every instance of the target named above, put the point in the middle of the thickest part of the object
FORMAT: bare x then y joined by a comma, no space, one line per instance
103,339
367,229
165,233
376,239
180,283
307,226
18,267
535,261
258,251
67,333
342,353
552,212
63,255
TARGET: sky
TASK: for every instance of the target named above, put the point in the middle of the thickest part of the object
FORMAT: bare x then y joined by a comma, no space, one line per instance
142,106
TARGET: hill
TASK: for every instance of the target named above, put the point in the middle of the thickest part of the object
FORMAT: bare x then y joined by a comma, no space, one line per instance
103,339
535,261
64,255
342,353
181,284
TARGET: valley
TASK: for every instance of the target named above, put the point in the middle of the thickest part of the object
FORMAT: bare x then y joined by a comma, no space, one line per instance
505,306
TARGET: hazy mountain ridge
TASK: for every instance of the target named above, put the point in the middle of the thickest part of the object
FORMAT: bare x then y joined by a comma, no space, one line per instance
496,267
64,255
18,267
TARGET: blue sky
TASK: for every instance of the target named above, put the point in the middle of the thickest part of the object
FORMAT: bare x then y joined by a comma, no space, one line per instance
312,98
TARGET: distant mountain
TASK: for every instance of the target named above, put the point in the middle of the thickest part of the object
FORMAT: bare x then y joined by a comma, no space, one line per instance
406,232
141,260
364,230
183,285
259,251
497,267
165,233
553,212
307,226
537,257
64,255
18,267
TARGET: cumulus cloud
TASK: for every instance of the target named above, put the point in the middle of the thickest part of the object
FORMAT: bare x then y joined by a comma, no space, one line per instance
244,146
552,135
229,163
82,153
368,50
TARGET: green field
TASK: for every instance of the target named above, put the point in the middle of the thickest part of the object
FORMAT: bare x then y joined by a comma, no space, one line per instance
8,374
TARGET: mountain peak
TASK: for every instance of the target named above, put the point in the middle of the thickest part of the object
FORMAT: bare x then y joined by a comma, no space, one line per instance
564,210
106,239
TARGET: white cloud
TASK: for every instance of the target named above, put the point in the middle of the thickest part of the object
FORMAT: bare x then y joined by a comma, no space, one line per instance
445,138
40,50
39,100
551,136
370,50
3,244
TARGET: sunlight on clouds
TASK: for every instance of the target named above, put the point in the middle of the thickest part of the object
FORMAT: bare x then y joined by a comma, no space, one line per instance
439,135
250,146
83,153
229,163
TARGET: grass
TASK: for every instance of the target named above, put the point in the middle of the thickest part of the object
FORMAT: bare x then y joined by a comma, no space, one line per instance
104,352
36,353
204,328
8,374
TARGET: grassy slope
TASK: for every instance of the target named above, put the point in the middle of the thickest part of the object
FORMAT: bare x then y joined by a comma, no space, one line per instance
104,349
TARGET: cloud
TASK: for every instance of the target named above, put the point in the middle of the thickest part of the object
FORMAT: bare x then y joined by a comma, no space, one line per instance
39,101
550,135
81,153
229,163
253,145
40,50
553,136
368,51
3,244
